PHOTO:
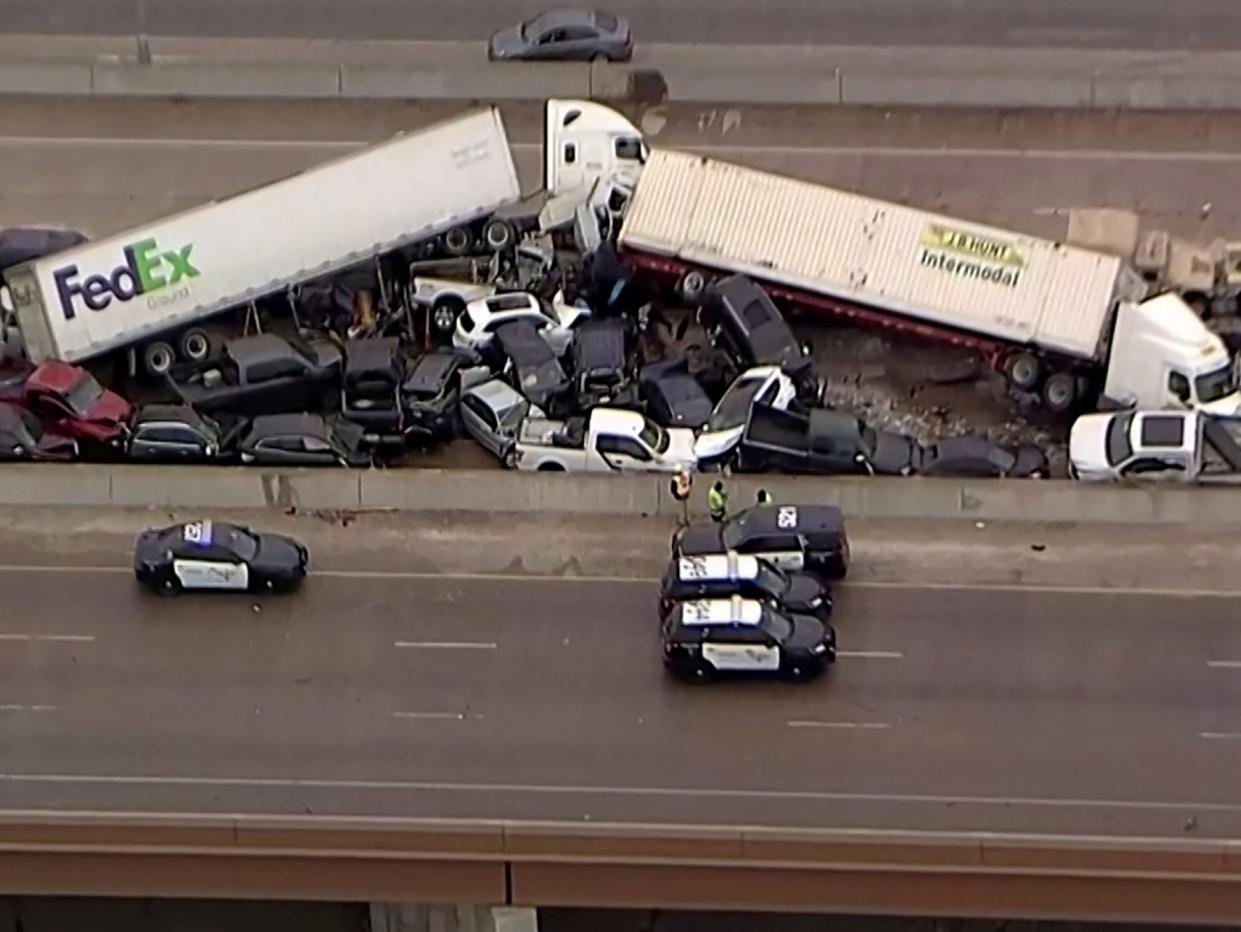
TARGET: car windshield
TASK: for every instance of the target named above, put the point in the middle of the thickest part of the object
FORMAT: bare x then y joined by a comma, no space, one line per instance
242,543
532,29
1118,447
778,627
769,579
1215,385
732,535
654,436
734,407
85,395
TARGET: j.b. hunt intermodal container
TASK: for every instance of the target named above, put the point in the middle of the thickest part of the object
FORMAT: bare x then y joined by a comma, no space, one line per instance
181,269
860,252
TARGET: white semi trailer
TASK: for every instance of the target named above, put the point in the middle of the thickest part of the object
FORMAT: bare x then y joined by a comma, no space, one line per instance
1070,324
149,289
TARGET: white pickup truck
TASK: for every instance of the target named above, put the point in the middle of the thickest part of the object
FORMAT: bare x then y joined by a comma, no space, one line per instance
609,440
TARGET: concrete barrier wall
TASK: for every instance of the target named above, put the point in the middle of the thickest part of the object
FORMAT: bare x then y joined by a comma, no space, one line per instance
498,491
828,75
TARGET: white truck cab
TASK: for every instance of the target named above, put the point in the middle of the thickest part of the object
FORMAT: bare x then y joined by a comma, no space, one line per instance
608,440
1163,356
590,146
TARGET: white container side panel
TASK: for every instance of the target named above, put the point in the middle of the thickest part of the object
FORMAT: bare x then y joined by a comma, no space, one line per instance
938,269
318,221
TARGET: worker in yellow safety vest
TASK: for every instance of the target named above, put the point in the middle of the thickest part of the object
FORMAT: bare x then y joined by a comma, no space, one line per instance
717,502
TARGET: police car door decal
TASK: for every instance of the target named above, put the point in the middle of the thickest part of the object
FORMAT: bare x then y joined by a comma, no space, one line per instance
786,520
208,574
741,656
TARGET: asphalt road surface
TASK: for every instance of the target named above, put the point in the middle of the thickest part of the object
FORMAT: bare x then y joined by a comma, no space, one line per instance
523,693
109,165
1110,24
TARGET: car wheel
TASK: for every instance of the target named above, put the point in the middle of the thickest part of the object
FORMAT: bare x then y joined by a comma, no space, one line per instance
457,241
445,313
499,235
1060,392
799,673
691,287
157,358
195,345
1022,371
169,586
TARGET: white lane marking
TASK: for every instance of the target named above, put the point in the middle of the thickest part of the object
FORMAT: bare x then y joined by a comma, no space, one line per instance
438,716
1220,735
445,645
604,790
10,707
650,580
48,637
871,654
1225,664
859,726
917,152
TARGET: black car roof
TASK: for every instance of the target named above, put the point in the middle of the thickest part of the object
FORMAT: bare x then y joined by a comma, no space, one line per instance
431,369
263,346
182,414
271,425
807,519
762,325
600,343
368,355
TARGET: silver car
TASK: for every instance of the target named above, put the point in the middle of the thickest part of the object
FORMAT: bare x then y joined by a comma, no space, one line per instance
492,414
565,35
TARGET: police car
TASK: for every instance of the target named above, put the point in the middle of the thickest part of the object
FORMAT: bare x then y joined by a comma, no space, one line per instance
808,538
214,555
709,637
721,575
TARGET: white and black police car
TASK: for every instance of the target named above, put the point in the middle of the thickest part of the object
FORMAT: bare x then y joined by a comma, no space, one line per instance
217,556
809,538
707,638
721,575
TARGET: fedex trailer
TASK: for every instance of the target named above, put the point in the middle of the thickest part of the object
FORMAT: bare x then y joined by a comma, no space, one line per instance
149,289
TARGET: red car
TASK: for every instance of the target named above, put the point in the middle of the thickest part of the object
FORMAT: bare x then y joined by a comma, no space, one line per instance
72,402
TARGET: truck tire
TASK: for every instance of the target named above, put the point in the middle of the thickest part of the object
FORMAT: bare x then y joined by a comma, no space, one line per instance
1060,392
498,235
157,358
457,241
691,287
195,345
1022,371
445,313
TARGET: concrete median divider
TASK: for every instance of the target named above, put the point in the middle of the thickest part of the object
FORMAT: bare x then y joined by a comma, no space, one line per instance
444,490
709,74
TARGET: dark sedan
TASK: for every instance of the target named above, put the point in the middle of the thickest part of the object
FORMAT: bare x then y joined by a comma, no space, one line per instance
217,556
303,440
564,35
978,457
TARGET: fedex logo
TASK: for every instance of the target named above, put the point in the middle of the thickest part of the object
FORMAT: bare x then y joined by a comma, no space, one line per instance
146,269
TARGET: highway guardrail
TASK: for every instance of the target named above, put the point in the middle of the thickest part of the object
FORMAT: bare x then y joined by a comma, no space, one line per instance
485,490
751,74
621,865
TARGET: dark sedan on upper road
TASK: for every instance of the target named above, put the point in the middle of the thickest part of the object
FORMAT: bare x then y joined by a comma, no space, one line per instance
564,35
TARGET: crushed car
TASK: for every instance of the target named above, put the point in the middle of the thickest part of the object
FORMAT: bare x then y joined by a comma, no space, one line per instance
70,401
23,437
264,374
163,433
303,440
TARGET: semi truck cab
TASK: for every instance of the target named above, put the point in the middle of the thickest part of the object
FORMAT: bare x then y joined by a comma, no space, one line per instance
1163,357
586,144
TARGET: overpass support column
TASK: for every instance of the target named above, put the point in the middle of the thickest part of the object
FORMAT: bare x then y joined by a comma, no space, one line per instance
418,917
